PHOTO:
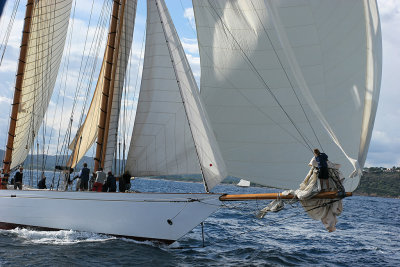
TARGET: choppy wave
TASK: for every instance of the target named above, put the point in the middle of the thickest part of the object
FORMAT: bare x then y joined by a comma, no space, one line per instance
62,237
367,235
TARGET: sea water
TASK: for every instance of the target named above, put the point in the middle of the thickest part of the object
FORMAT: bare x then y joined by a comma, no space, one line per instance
368,234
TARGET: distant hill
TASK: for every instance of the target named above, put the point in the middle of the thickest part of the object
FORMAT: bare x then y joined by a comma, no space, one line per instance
382,184
50,161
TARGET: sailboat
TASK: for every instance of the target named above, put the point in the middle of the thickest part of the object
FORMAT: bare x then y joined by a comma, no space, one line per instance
277,78
243,183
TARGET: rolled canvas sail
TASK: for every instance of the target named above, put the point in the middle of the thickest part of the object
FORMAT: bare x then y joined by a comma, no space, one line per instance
124,48
171,134
45,47
87,134
335,54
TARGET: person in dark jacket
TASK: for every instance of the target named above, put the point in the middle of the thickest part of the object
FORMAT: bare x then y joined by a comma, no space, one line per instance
84,175
323,173
42,183
18,179
111,183
125,182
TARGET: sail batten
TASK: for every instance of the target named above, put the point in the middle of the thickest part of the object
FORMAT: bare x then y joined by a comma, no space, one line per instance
171,135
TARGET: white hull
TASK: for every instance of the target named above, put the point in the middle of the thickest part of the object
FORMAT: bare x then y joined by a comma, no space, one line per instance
142,216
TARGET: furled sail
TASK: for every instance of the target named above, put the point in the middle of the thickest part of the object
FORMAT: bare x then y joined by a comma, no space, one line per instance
124,48
87,133
279,78
48,31
171,134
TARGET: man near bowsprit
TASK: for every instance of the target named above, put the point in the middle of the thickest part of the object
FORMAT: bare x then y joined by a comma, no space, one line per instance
323,173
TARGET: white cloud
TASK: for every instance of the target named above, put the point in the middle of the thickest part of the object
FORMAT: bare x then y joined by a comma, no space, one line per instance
8,65
190,45
189,14
385,142
5,100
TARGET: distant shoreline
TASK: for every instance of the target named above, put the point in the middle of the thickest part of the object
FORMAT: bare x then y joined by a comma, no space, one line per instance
372,184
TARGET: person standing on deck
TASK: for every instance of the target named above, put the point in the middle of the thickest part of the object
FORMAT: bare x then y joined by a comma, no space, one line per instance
92,181
42,183
67,178
323,173
111,183
78,182
18,178
100,180
84,175
125,182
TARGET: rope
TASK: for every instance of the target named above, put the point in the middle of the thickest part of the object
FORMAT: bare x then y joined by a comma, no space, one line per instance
258,75
286,74
4,43
246,97
141,59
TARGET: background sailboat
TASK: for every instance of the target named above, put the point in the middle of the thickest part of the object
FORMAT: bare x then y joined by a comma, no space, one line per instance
243,183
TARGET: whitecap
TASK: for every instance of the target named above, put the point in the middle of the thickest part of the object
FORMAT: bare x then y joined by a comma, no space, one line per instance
61,237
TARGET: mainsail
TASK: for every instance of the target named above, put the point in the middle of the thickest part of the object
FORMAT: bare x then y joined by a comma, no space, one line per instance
87,134
171,134
48,29
279,78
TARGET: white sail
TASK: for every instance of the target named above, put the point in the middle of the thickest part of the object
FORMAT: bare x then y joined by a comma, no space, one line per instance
87,134
327,52
171,134
45,47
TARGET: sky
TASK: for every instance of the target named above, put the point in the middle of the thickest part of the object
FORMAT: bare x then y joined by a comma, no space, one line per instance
385,143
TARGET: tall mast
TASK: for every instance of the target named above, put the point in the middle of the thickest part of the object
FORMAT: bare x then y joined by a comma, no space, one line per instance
18,86
98,162
114,70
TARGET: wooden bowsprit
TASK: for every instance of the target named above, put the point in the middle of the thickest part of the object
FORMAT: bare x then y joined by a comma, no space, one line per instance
322,195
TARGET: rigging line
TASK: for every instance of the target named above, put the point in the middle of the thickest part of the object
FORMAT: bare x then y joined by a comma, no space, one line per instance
4,42
126,86
255,71
80,77
138,69
286,74
92,77
66,68
243,95
94,49
116,92
63,86
121,63
179,46
141,61
84,49
36,14
56,104
51,33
